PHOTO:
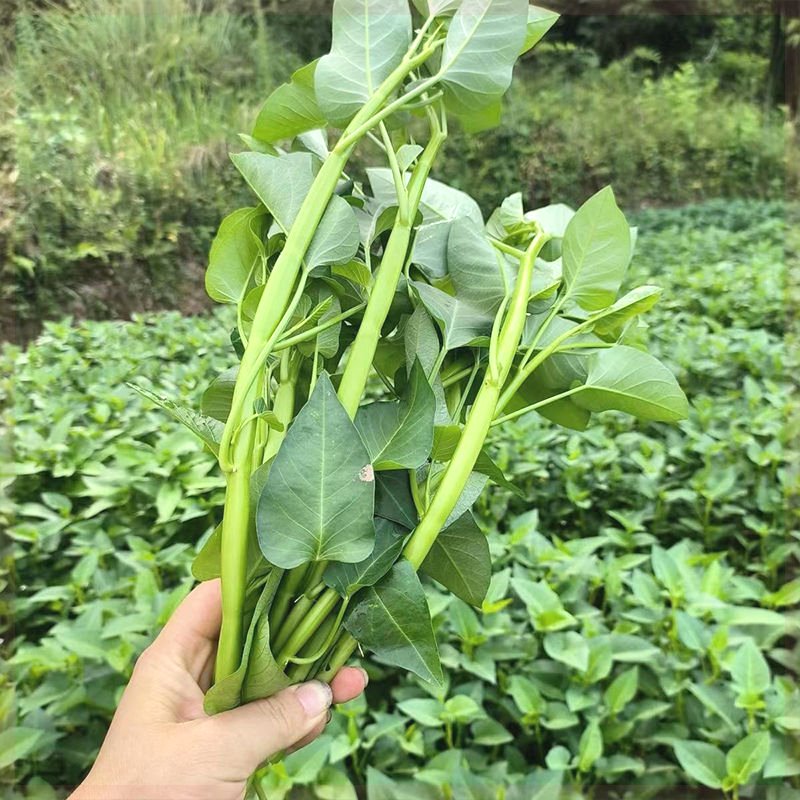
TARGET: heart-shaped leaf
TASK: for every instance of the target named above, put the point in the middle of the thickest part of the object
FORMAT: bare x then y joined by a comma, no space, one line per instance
317,504
596,252
370,37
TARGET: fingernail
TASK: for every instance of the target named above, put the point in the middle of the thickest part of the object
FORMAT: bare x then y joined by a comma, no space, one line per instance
366,676
329,717
315,697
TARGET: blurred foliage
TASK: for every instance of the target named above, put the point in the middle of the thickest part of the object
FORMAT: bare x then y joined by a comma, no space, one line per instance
667,139
672,552
117,116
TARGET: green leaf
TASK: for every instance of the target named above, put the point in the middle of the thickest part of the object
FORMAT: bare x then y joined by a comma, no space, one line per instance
717,701
553,219
701,761
400,434
637,301
430,249
282,183
291,109
596,252
540,20
544,605
747,757
749,670
370,38
206,564
236,248
317,504
527,697
421,341
346,578
569,648
425,711
626,379
461,323
460,560
17,743
393,500
217,399
258,675
590,747
622,690
439,202
392,620
207,429
480,275
483,41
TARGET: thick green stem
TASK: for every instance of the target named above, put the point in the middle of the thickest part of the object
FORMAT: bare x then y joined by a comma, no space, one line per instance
480,417
307,627
233,560
359,362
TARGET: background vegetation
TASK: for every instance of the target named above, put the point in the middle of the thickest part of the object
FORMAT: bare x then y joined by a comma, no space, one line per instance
672,552
117,117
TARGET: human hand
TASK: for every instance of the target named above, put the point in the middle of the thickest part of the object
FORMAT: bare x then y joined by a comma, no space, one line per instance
161,744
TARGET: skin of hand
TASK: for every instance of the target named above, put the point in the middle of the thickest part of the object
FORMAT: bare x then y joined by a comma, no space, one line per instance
161,744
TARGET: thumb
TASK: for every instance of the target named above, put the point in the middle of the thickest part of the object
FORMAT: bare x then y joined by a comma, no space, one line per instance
249,735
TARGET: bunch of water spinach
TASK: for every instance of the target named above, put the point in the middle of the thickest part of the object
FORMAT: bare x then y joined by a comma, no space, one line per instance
338,494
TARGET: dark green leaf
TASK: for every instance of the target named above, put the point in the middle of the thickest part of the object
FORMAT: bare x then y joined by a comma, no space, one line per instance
400,434
389,540
317,504
460,560
392,620
216,400
393,500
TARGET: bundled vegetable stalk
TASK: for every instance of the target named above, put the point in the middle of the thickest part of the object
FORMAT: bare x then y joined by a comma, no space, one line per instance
383,330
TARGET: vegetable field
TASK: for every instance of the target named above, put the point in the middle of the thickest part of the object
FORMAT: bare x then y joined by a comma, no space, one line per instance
639,632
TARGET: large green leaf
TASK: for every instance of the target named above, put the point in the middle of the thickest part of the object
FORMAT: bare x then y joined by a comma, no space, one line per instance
438,202
596,252
282,183
291,109
392,620
480,275
747,757
483,41
626,379
460,560
540,20
234,251
389,540
701,761
205,428
750,671
370,38
461,323
258,675
400,434
318,501
430,248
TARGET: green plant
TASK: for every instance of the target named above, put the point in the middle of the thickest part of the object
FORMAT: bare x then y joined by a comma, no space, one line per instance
590,507
331,509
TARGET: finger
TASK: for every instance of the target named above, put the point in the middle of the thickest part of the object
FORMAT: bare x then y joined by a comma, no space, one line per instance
308,738
348,684
191,634
252,733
